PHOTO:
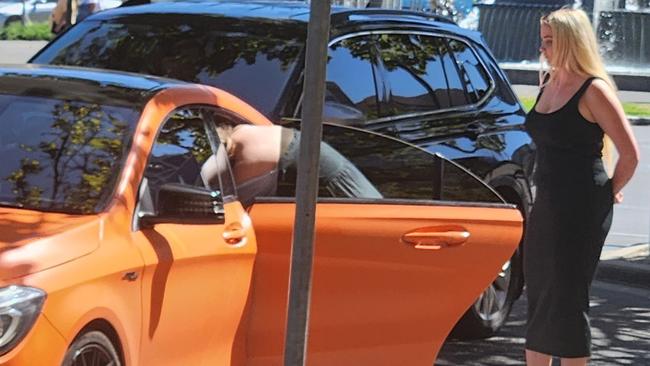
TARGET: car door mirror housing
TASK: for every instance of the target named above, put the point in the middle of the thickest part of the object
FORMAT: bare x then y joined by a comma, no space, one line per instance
179,203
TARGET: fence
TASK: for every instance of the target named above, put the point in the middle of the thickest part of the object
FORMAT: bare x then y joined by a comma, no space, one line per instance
625,37
512,30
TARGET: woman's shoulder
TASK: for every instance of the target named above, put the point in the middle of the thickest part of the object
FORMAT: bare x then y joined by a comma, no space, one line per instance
598,91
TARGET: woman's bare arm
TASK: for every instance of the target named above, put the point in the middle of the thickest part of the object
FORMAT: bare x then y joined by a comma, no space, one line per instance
608,112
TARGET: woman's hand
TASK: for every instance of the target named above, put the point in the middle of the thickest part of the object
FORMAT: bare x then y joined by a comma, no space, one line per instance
618,197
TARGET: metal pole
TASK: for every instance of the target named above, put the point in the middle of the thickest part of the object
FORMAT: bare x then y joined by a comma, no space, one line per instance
302,250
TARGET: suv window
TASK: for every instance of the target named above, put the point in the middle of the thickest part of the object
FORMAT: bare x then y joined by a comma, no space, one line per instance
406,62
350,78
475,76
422,74
253,61
400,170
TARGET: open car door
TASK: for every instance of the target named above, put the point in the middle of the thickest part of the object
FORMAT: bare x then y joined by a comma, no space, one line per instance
392,276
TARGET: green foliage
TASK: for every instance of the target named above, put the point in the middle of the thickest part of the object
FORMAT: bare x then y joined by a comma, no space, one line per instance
27,32
527,103
637,109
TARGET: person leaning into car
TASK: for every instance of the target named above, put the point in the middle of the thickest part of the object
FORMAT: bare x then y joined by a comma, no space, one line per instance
259,155
576,111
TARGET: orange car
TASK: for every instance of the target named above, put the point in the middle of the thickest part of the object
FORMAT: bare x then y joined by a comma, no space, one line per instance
116,252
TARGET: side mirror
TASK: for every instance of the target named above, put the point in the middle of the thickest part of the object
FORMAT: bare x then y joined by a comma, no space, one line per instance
342,114
178,203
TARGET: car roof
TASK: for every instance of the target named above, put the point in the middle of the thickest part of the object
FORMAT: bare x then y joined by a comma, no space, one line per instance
296,12
82,84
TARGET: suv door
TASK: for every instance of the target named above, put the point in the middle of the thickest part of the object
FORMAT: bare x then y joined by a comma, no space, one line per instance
391,276
198,267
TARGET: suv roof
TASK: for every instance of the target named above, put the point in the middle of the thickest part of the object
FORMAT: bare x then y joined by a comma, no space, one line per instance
296,12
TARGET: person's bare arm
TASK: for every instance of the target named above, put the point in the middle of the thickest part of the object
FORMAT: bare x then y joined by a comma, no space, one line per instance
604,105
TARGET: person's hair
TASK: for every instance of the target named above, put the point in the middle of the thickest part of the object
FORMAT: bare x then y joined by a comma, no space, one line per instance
575,49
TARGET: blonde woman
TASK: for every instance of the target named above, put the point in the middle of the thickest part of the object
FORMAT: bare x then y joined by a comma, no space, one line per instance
576,108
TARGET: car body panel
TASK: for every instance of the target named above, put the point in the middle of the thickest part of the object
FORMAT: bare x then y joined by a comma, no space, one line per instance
163,290
44,345
128,275
376,296
204,275
24,240
94,287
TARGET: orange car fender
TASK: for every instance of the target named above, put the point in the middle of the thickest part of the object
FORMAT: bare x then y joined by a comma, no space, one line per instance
69,310
95,286
44,345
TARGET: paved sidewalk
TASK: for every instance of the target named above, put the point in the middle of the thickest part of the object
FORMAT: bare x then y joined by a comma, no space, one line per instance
629,265
18,52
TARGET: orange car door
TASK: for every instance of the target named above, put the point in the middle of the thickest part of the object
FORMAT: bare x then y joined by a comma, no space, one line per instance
198,272
391,276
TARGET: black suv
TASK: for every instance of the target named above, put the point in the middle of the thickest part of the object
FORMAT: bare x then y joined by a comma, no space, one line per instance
416,77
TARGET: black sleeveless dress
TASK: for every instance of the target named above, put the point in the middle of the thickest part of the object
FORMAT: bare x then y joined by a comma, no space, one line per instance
566,229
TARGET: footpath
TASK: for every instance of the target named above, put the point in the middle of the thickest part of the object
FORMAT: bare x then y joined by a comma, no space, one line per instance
625,260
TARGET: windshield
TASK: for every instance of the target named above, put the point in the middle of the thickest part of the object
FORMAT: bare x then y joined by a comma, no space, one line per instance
253,60
60,155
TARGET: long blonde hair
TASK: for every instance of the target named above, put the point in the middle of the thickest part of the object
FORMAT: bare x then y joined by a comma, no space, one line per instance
575,50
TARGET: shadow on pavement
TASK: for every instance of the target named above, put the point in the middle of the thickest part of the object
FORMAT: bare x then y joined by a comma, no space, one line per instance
620,330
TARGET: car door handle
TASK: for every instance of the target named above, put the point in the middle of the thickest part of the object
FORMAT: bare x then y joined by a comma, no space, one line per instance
436,237
234,233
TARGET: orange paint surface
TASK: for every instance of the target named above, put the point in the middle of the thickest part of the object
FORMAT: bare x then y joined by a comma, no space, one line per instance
216,294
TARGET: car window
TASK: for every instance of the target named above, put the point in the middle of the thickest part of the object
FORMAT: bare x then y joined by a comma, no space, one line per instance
399,170
61,155
474,74
179,152
350,78
406,62
253,61
457,96
421,74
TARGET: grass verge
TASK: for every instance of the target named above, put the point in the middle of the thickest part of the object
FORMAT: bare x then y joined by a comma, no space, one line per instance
27,32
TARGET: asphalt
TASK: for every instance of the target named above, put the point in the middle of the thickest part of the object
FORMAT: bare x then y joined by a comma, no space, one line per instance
622,261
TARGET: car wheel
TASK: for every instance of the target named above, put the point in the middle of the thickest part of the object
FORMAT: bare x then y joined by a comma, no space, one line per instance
491,309
92,348
13,20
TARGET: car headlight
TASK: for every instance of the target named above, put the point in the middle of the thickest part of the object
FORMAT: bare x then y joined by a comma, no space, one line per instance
19,309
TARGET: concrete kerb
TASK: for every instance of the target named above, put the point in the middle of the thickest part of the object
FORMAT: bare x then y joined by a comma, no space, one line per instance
639,121
629,266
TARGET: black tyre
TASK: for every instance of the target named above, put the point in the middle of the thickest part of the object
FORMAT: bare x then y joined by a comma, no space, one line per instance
13,20
491,309
92,348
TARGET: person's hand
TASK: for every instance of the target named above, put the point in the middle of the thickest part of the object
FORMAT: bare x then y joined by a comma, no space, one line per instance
618,197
